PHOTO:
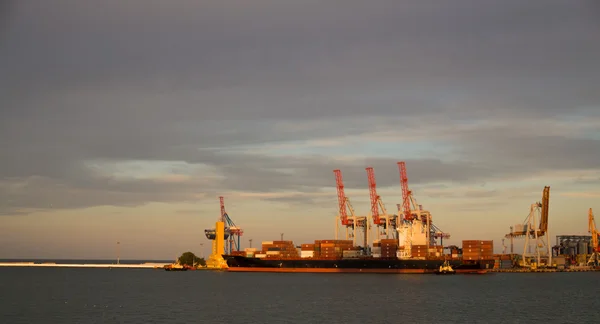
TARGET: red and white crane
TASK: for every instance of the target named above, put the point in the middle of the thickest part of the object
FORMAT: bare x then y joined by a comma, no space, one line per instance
415,226
350,222
380,220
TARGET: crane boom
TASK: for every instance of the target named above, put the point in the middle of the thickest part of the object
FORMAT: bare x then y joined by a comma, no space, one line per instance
374,196
222,200
593,230
405,192
544,212
341,196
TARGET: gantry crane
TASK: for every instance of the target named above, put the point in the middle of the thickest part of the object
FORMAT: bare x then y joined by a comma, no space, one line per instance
218,236
417,210
352,222
232,233
415,220
594,258
380,220
235,232
534,234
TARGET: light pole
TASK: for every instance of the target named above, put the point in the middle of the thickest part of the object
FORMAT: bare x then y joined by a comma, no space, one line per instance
118,251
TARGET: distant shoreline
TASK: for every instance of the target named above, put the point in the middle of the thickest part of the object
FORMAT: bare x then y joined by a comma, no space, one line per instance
50,264
84,261
75,263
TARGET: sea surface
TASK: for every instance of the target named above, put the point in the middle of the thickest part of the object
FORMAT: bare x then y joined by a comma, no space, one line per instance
76,295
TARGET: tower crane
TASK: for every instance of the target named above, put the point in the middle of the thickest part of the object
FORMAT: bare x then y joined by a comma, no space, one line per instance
380,220
351,222
595,247
534,234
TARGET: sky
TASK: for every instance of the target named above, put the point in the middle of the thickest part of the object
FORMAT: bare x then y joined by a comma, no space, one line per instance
125,121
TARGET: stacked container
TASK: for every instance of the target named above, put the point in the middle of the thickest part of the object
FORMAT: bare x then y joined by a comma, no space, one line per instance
307,250
454,252
376,251
250,252
332,249
279,250
420,251
478,250
389,248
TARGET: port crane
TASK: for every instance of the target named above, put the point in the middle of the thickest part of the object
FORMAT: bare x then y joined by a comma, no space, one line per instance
414,220
534,234
218,236
232,233
594,258
354,224
381,220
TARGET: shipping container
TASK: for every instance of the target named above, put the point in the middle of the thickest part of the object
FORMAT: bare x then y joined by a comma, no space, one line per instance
307,254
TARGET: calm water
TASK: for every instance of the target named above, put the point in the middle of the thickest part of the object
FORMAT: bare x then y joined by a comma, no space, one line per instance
62,295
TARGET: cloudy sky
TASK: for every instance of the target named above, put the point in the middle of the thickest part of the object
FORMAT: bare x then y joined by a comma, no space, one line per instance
124,121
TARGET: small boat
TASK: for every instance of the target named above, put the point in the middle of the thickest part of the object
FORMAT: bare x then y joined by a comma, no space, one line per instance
445,268
176,267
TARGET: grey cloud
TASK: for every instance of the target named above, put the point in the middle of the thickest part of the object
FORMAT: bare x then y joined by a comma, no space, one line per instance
456,50
500,147
196,81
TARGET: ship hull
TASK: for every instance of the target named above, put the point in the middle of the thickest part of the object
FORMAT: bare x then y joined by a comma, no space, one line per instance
370,265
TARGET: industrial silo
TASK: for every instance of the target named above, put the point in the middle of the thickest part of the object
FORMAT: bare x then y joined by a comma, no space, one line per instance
573,247
582,247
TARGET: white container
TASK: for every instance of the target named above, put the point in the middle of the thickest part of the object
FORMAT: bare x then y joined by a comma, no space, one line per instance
250,249
376,255
260,255
273,252
307,254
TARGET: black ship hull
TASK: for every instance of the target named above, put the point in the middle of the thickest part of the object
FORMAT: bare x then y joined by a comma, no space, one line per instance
362,265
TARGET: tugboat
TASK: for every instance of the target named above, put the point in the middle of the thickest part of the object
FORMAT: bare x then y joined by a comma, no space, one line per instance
176,267
445,268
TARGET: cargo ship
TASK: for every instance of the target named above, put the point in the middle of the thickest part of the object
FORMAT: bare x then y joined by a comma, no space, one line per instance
339,256
239,263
